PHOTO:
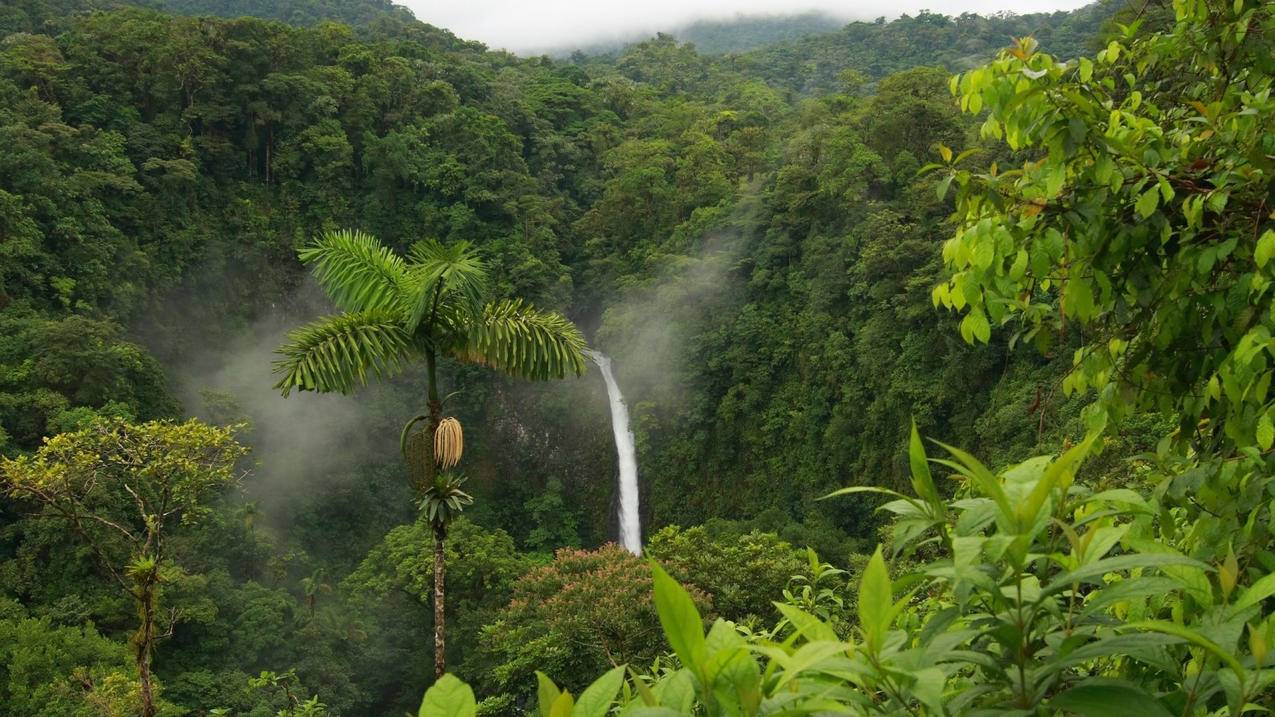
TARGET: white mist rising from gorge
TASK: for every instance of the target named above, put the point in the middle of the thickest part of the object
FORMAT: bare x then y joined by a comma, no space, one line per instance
532,26
300,444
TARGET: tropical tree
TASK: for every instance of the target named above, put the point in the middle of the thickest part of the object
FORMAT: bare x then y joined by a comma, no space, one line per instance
122,489
427,306
312,586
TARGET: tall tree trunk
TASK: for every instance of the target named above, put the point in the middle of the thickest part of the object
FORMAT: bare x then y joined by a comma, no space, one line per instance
145,641
440,532
440,623
435,416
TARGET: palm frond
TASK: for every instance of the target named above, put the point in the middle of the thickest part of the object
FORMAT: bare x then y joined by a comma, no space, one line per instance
358,272
453,273
524,342
336,353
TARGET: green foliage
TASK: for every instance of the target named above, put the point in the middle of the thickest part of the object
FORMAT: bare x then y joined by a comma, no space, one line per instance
284,684
555,523
582,613
821,590
122,490
57,375
62,671
1033,591
741,574
1139,219
449,697
482,568
294,12
443,501
119,485
741,34
756,261
816,63
429,305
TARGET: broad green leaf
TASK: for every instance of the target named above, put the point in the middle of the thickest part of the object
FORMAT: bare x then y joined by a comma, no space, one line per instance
1192,636
1059,475
1103,698
805,624
1097,569
449,697
974,327
1147,203
808,656
983,480
922,479
1078,296
875,601
1228,573
680,619
1055,177
1265,248
1265,432
677,691
653,712
866,489
644,692
722,636
940,189
1126,590
1115,645
596,699
562,707
1255,593
546,692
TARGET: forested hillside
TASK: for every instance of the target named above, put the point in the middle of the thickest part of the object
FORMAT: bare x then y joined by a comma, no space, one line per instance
749,32
816,63
755,240
31,15
738,34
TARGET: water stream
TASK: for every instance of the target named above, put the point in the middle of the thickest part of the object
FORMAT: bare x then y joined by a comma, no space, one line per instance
630,521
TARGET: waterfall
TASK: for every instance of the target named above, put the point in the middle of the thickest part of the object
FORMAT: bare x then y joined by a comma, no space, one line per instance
630,521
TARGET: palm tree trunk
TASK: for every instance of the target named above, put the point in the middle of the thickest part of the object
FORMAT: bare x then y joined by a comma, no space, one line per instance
440,533
440,624
435,415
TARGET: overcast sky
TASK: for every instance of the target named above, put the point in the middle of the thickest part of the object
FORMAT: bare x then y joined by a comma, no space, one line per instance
530,25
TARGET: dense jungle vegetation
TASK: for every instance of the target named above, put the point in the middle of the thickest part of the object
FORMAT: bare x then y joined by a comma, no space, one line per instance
826,265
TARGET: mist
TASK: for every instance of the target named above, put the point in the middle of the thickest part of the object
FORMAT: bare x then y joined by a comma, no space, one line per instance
544,25
648,330
300,444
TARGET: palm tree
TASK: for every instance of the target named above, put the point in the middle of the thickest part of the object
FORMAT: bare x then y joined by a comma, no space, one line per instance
312,587
429,305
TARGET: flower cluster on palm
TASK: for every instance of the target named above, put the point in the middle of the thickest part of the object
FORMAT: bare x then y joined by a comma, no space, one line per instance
397,310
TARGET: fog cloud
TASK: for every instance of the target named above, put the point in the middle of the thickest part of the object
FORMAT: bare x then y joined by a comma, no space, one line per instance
299,443
535,25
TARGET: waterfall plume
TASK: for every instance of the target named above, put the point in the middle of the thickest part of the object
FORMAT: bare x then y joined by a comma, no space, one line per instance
630,521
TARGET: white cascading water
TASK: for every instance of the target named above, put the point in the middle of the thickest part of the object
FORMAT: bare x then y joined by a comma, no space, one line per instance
630,521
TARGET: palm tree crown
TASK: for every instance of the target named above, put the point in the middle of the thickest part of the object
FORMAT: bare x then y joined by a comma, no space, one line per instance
394,310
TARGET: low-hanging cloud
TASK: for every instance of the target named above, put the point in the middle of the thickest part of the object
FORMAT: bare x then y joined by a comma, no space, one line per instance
528,26
299,443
